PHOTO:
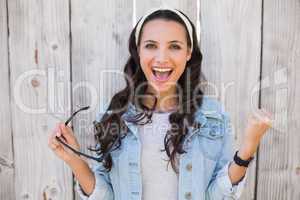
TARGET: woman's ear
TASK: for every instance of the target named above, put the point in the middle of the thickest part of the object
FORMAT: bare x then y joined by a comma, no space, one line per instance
138,50
189,55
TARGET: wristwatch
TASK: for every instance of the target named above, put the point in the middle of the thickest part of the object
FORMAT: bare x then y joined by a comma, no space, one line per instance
241,162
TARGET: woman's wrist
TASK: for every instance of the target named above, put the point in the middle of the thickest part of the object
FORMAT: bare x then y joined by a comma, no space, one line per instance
248,149
245,155
74,161
83,174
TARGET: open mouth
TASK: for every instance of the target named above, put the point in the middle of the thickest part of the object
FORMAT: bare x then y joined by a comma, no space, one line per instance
161,74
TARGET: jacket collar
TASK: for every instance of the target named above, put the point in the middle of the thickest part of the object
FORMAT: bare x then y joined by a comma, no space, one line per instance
210,109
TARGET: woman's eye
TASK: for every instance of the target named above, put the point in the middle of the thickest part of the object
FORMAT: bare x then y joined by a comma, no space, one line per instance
150,46
174,46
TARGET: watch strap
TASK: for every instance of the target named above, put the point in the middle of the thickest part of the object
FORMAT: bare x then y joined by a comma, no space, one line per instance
241,162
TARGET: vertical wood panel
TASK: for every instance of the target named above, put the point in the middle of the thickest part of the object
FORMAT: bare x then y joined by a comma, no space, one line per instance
279,160
39,58
6,148
100,33
230,43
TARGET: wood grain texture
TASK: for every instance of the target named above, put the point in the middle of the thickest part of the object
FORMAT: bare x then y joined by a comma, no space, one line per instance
39,65
38,60
230,43
279,155
100,33
6,148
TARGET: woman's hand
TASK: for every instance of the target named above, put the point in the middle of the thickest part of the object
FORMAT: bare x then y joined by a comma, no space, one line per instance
66,134
80,168
257,126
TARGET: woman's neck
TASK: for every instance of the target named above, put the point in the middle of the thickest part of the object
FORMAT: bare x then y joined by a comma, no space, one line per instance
166,101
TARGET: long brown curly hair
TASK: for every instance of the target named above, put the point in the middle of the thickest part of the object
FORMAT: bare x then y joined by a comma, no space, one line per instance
107,136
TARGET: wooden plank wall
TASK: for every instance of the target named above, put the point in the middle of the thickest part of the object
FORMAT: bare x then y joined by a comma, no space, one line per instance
39,59
279,155
6,148
64,54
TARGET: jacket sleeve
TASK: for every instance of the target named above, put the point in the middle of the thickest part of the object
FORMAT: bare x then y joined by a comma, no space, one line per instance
103,189
220,186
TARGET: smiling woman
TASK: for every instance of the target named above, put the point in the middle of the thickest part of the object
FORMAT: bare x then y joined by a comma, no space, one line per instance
163,52
162,117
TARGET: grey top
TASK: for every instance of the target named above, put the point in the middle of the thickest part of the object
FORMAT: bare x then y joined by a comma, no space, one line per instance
159,181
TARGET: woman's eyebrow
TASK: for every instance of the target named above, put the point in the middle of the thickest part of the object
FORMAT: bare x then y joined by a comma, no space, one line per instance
175,41
172,41
150,41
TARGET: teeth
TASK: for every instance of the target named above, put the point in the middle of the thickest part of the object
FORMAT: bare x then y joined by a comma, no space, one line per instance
162,69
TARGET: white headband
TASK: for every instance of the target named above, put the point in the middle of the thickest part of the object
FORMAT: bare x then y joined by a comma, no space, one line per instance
185,20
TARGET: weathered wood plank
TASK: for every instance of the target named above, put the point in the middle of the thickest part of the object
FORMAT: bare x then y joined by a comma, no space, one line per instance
230,42
6,148
279,160
100,32
39,64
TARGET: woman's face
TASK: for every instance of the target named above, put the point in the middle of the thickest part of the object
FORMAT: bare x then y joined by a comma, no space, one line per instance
163,53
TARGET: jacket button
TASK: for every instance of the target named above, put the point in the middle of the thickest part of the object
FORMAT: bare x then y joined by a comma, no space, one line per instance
135,193
133,164
188,195
189,167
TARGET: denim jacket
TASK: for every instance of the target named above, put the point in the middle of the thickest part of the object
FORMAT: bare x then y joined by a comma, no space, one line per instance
203,170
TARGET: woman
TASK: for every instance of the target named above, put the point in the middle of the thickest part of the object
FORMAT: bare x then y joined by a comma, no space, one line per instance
162,117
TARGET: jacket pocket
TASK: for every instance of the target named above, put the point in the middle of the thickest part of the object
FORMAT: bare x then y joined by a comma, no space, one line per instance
211,137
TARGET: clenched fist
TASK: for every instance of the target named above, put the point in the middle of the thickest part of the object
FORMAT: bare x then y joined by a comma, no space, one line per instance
256,128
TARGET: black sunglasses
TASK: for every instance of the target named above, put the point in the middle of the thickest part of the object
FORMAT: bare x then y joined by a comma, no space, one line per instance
98,159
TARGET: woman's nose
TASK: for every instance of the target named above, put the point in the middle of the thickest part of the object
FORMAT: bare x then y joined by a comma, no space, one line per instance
161,56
